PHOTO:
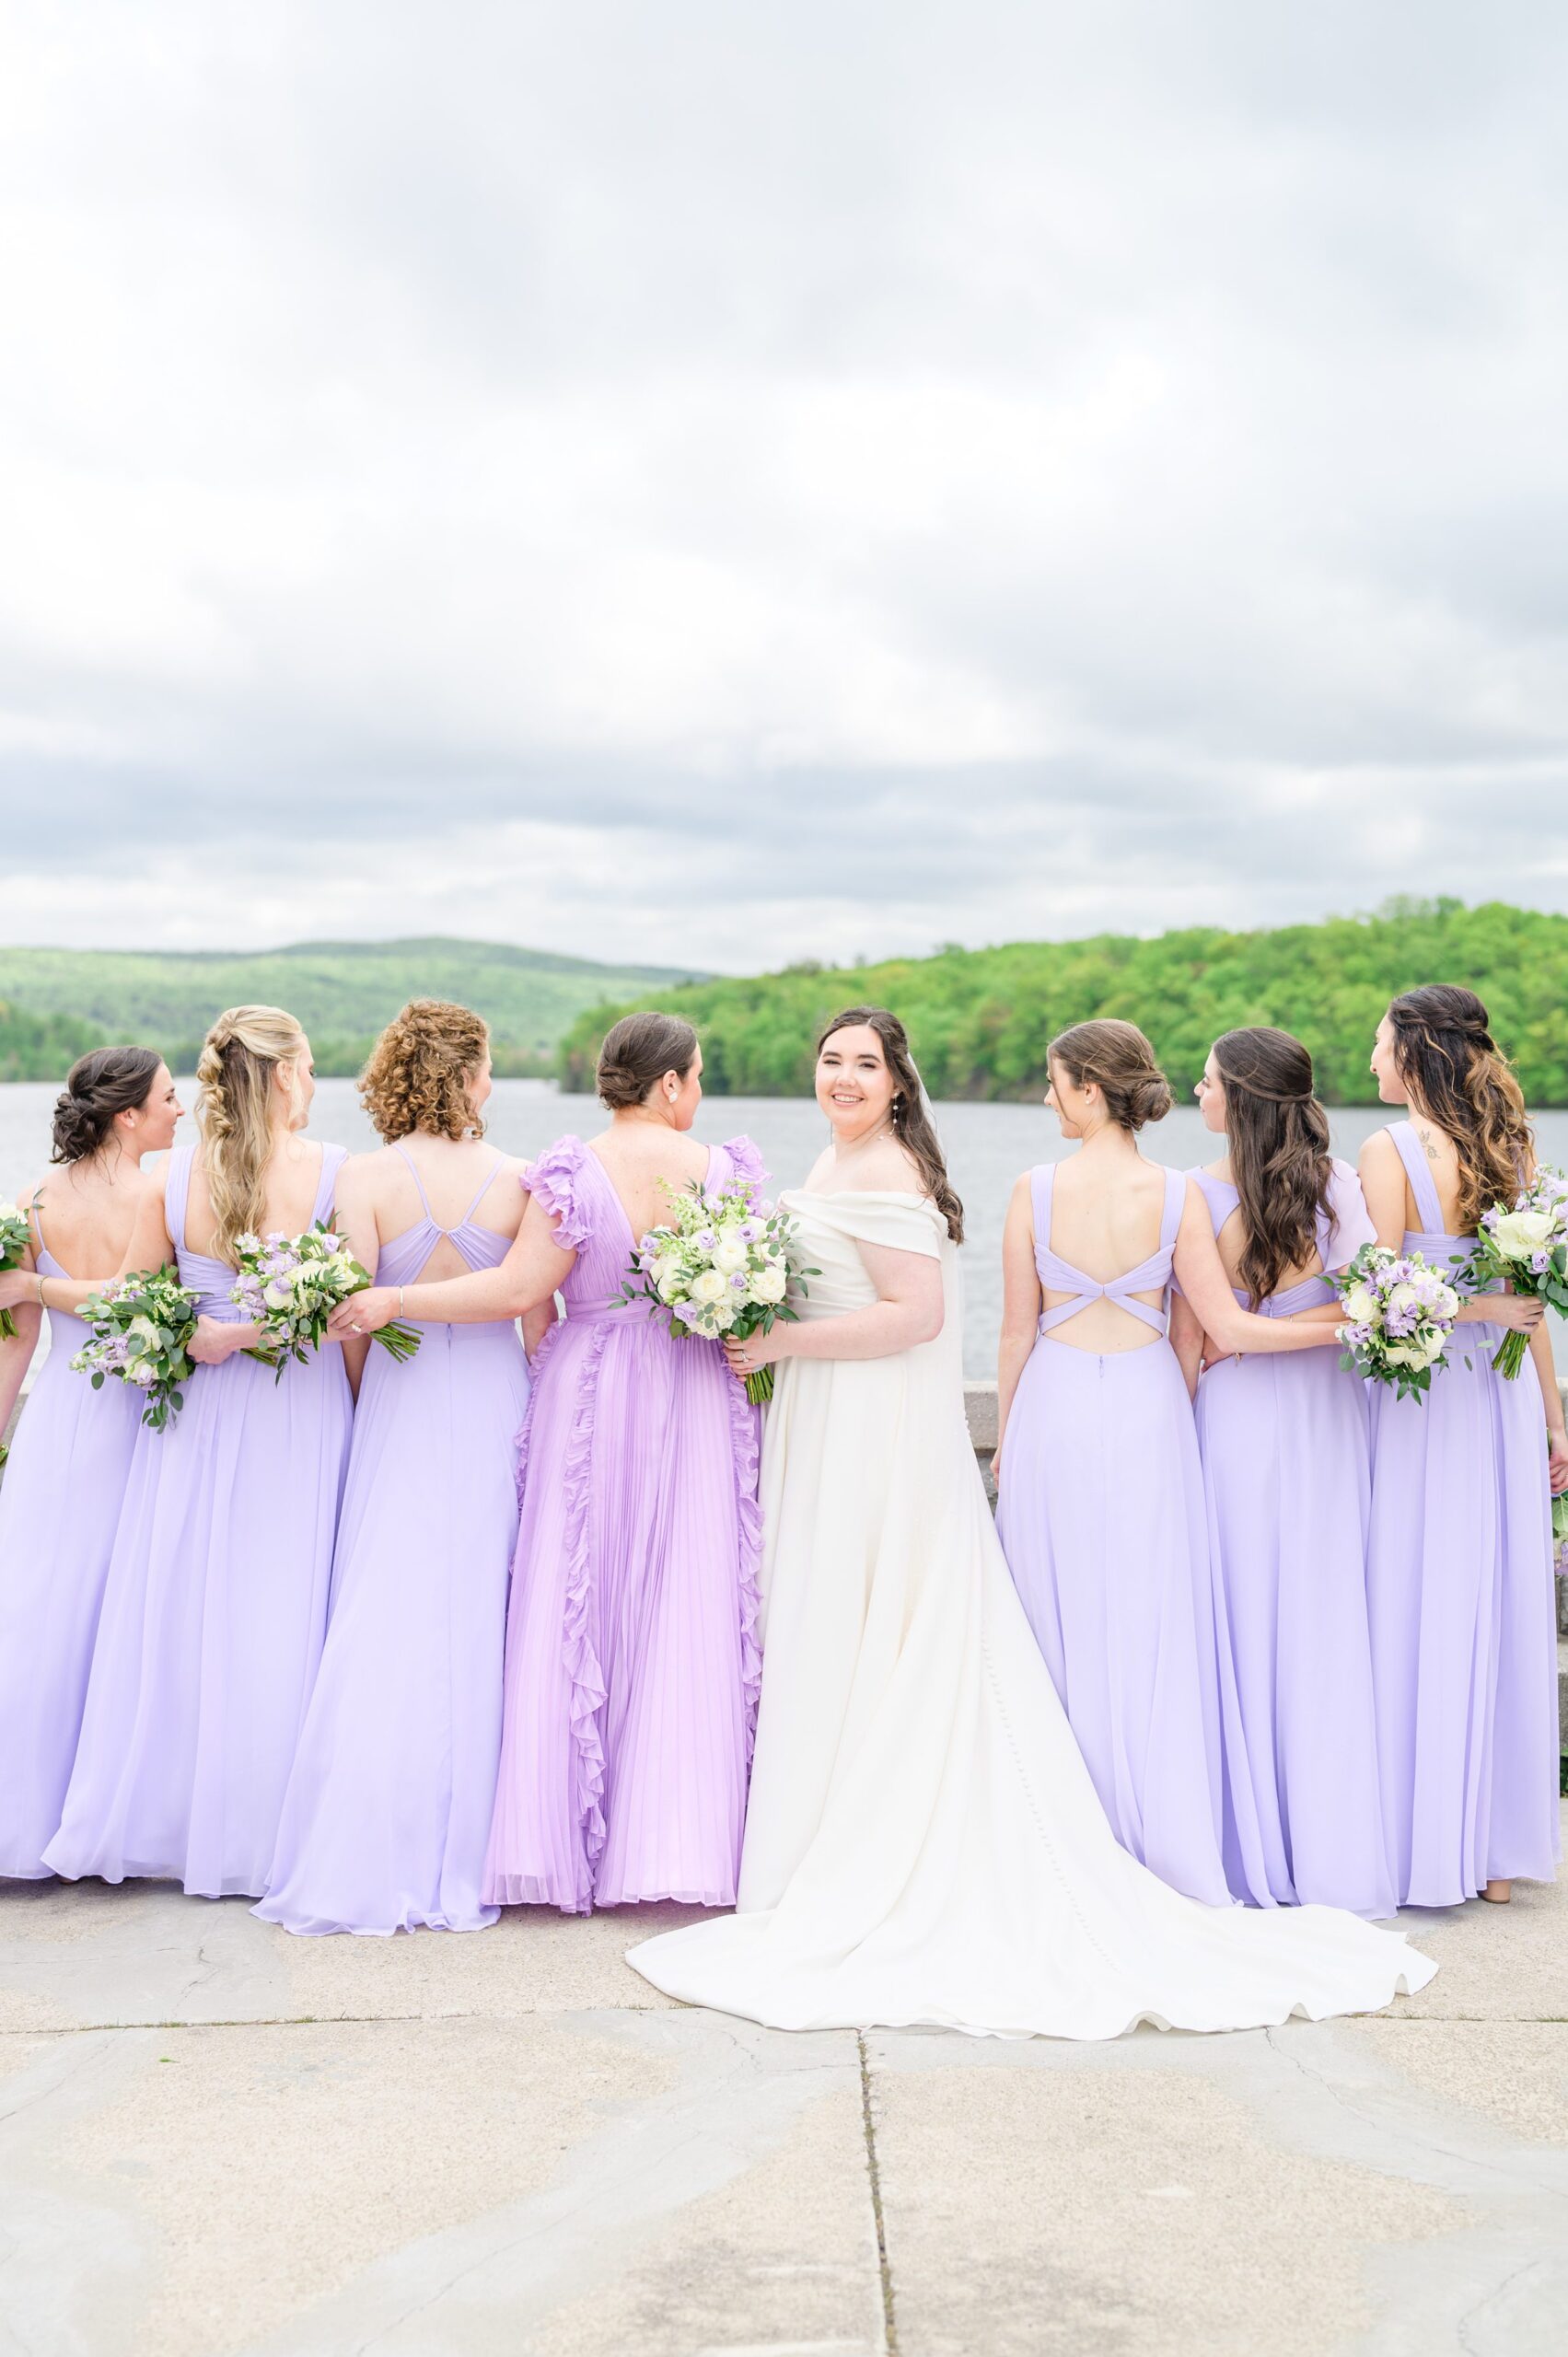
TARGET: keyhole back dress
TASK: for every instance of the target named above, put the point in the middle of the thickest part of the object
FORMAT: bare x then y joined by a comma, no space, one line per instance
1286,1443
1459,1587
1101,1516
59,1510
215,1608
387,1811
631,1663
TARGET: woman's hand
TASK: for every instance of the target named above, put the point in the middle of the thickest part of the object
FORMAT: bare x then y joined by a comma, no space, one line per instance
758,1350
1521,1311
216,1339
1557,1456
19,1288
363,1313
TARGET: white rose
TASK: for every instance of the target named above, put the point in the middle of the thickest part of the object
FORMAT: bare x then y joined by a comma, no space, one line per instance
1406,1355
1403,1299
1520,1234
1447,1306
1360,1306
709,1286
720,1319
770,1284
730,1254
9,1211
668,1282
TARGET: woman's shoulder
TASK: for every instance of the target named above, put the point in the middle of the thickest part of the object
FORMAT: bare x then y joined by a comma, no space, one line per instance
558,1178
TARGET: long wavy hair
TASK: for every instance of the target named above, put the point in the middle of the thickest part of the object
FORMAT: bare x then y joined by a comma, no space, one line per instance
912,1124
1278,1136
234,1076
1459,1078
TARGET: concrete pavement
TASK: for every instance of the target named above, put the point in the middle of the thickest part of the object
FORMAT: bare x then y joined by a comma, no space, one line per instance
214,2137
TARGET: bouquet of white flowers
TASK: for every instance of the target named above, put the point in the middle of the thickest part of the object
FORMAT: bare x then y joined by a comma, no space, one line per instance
290,1286
1526,1243
1560,1533
722,1264
1399,1312
16,1229
141,1327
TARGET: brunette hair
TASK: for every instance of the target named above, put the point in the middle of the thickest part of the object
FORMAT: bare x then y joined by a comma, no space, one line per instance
639,1050
239,1057
104,1082
1121,1063
421,1069
1278,1135
1458,1077
912,1124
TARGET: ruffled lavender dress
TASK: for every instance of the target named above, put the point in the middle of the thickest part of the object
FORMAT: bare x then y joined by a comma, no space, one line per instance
1464,1650
1102,1520
1286,1451
388,1810
631,1662
214,1611
59,1509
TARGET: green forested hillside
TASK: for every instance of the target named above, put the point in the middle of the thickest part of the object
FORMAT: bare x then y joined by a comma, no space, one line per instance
54,1003
979,1019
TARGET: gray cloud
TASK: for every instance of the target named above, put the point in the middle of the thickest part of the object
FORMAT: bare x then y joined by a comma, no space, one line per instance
744,484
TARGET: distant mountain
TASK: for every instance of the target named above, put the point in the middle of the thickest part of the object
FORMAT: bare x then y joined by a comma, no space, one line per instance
979,1020
53,1003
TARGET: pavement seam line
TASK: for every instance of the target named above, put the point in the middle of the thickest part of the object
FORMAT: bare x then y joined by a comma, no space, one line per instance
885,2272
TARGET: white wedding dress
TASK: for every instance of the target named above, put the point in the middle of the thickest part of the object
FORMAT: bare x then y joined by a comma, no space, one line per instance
924,1843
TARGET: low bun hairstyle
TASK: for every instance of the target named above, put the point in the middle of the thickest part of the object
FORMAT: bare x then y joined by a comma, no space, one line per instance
912,1124
234,1078
421,1069
100,1085
1121,1063
637,1052
1278,1137
1458,1077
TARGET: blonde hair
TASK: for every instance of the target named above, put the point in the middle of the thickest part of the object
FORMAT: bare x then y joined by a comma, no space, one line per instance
234,1078
421,1068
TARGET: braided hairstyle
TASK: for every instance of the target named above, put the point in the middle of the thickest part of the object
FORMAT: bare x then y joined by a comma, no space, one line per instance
1278,1136
912,1124
1457,1076
234,1076
100,1085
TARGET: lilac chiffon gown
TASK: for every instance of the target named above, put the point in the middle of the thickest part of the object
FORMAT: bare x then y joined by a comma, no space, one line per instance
387,1811
1460,1591
631,1661
214,1611
1102,1521
59,1508
1285,1445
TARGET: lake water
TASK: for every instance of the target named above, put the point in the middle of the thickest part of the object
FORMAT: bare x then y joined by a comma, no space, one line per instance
986,1145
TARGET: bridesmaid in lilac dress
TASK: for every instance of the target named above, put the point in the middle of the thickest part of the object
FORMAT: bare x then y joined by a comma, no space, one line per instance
1459,1558
1101,1512
631,1664
387,1811
68,1466
215,1601
1287,1483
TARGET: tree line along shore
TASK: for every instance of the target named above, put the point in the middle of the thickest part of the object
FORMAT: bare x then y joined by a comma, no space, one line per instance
978,1019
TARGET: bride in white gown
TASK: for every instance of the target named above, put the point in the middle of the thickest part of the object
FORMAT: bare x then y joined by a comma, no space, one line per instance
924,1843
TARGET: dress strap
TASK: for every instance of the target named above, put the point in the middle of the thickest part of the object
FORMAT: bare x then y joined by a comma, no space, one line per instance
1042,1182
1170,1217
333,1160
177,1193
399,1148
1421,1180
485,1184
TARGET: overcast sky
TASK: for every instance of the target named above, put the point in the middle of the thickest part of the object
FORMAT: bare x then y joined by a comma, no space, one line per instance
739,482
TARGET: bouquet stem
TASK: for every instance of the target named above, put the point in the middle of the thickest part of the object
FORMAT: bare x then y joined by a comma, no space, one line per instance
760,1386
1510,1356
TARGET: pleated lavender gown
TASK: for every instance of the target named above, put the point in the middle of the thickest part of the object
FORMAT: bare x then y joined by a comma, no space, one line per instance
59,1509
388,1810
1285,1446
214,1611
1102,1520
631,1661
1464,1641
